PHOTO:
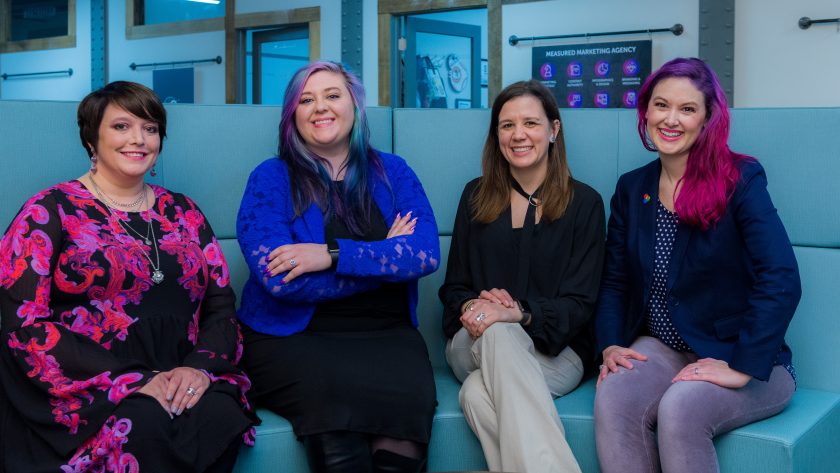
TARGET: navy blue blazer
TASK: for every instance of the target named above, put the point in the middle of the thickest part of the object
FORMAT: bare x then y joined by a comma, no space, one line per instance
731,290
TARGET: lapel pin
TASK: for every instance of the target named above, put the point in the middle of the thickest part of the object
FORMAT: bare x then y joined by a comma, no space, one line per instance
646,198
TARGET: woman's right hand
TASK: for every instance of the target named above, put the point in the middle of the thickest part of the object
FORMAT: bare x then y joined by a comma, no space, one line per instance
403,225
615,356
156,388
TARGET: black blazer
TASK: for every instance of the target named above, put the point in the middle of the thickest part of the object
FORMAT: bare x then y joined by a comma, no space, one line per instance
731,290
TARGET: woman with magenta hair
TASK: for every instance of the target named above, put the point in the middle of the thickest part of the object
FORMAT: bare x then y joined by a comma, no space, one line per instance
336,235
699,287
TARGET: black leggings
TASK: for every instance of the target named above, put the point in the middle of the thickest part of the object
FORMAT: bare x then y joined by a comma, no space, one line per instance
350,452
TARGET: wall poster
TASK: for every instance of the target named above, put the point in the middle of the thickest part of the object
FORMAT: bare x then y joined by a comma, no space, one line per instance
593,75
174,85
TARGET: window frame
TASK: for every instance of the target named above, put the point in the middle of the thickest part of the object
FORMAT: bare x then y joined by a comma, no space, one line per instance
38,44
135,29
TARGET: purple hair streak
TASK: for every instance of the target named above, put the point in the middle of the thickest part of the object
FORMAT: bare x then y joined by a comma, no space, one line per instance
310,172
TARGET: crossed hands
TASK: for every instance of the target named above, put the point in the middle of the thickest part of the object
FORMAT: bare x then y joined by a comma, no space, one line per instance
707,369
296,259
177,389
495,305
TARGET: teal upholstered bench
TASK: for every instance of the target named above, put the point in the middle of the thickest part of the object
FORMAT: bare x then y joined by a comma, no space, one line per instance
211,162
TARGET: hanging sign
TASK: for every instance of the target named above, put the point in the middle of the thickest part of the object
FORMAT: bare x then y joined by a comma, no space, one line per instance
602,75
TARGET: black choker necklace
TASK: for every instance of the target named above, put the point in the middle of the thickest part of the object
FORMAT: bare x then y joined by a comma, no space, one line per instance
532,198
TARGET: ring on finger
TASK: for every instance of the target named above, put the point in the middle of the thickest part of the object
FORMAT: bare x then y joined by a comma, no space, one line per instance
601,368
191,391
696,370
481,316
292,263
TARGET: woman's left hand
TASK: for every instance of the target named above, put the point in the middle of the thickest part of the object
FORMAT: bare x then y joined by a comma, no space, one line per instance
476,323
714,371
186,386
297,259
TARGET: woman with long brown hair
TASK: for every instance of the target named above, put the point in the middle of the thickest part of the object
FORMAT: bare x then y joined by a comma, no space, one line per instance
521,285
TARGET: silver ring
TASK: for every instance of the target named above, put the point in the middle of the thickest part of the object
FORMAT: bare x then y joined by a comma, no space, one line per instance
481,316
292,263
191,391
696,370
601,368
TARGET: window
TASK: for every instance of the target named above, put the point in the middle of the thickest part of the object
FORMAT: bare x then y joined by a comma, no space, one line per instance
271,58
30,25
151,18
271,46
170,11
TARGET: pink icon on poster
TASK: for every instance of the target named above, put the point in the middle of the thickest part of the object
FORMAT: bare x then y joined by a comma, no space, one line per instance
574,69
629,99
602,68
602,100
547,71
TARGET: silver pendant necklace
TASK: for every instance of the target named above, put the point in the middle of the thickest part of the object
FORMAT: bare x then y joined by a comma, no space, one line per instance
156,274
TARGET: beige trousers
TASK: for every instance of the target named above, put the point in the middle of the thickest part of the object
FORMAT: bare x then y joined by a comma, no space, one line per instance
507,398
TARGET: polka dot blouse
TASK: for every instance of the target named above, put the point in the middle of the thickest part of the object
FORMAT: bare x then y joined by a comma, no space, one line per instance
659,322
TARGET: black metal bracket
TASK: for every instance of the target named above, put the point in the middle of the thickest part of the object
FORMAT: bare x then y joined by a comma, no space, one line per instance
805,22
69,73
677,30
217,60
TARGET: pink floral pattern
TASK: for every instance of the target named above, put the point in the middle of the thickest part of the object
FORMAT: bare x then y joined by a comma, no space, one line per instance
77,300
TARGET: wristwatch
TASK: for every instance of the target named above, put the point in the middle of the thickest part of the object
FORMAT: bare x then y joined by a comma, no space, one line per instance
526,312
332,249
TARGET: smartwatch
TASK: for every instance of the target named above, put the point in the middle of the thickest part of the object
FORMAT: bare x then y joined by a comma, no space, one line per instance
526,312
332,249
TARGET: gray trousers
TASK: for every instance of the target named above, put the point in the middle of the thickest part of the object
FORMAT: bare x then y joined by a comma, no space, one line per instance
507,398
644,423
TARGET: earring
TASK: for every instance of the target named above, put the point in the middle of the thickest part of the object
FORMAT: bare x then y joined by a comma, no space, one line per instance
93,160
552,139
153,172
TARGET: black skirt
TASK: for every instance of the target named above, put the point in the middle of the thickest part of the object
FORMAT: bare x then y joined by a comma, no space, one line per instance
378,382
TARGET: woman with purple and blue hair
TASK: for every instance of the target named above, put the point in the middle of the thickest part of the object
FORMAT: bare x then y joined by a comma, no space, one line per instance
699,287
336,235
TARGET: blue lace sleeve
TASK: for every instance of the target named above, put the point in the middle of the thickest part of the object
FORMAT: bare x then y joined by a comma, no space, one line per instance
265,221
401,258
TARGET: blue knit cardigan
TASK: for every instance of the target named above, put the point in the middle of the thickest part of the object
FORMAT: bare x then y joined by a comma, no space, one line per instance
267,220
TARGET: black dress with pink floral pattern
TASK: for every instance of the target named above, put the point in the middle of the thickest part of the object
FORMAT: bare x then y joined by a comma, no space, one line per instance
84,327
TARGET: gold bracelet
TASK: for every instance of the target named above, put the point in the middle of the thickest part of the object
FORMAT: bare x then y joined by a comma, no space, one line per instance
468,306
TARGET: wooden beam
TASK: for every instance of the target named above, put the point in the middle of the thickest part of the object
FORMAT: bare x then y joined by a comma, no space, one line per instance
402,7
230,51
385,59
494,50
314,40
281,17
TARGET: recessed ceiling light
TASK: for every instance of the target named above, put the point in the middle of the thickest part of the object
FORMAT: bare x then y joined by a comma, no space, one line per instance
211,2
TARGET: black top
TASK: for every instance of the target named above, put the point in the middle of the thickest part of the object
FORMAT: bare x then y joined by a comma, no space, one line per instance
565,270
378,309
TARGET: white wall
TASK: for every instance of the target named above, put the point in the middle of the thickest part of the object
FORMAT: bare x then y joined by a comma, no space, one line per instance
776,63
209,77
779,65
59,87
555,17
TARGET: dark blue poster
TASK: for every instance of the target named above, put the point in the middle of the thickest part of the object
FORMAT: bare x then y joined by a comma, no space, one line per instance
174,85
603,75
